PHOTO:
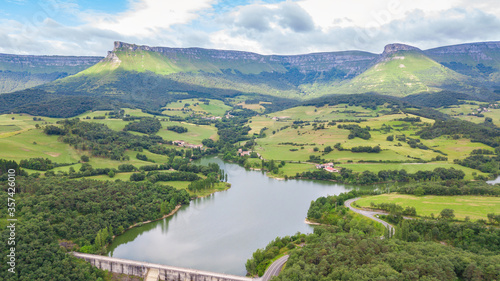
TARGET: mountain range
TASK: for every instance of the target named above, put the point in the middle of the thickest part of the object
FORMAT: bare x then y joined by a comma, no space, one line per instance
148,77
18,72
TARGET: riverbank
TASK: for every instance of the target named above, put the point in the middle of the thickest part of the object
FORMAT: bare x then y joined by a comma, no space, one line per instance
208,192
148,221
312,223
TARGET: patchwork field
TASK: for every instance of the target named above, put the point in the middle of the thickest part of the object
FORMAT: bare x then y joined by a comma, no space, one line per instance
475,207
289,142
194,135
311,113
196,106
465,111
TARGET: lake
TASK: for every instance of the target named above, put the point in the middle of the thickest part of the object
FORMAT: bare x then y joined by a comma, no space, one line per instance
220,232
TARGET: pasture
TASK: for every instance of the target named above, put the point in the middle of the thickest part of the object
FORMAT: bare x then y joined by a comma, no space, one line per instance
474,207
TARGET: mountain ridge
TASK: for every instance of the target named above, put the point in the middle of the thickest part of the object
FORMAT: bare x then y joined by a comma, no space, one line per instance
148,77
18,72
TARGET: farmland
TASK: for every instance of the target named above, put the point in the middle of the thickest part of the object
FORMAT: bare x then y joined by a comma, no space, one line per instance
474,207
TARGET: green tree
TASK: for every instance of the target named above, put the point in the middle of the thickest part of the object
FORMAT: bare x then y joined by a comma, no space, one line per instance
447,214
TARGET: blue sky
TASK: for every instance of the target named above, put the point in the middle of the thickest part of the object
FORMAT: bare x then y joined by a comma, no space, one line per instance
88,27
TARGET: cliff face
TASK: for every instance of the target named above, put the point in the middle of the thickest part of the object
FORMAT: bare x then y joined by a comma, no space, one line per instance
479,60
487,53
396,47
46,64
351,62
18,72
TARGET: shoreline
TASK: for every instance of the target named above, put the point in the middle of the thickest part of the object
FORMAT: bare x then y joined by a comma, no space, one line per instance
148,221
228,186
306,221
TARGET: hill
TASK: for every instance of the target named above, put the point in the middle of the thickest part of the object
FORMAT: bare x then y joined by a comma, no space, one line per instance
480,60
150,77
229,70
402,70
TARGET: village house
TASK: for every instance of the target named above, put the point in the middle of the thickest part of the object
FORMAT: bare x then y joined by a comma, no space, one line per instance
327,167
185,144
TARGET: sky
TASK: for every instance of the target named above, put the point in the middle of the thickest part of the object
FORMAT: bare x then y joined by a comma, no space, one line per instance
285,27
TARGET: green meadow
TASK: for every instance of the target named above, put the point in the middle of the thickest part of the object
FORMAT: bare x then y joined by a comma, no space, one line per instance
306,138
194,135
190,106
465,111
474,207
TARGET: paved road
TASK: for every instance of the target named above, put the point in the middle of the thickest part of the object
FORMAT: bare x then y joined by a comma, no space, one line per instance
369,214
274,269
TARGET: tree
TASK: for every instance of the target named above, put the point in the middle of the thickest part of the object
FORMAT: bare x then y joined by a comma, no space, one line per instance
447,214
84,158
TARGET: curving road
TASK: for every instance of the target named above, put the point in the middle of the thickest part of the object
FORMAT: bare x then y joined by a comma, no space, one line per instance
274,269
369,214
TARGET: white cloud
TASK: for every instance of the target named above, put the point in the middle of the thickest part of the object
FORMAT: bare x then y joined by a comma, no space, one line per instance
290,27
147,17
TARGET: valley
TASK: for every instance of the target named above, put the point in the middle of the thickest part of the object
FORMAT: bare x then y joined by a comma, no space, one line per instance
234,143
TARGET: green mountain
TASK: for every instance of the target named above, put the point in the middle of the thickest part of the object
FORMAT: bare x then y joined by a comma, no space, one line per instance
18,72
478,60
402,70
149,77
188,69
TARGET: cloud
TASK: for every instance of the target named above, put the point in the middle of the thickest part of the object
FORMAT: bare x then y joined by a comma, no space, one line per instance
254,17
146,17
290,27
295,18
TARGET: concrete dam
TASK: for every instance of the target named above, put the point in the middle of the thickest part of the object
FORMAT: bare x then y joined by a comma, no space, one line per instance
153,272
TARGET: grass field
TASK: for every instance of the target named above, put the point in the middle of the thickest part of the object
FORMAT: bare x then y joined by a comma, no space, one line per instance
194,135
475,207
34,143
461,111
214,108
311,113
272,147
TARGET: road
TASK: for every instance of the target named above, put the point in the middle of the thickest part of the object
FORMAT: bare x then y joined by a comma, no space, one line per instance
369,214
274,269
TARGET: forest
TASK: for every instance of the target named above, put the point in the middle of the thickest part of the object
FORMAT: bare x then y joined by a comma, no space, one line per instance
83,214
345,247
367,177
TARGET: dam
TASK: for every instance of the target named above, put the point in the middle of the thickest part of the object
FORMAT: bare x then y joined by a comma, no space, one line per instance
153,272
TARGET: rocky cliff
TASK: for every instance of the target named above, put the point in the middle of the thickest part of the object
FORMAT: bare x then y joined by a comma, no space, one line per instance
18,72
351,62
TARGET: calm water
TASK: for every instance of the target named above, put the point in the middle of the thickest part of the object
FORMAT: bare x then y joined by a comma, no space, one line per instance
219,233
495,181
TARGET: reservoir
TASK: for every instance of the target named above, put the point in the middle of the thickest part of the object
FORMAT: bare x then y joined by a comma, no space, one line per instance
495,181
220,232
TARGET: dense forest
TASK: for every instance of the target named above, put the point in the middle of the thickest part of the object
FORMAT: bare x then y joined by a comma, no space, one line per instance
367,177
81,215
330,255
348,248
146,125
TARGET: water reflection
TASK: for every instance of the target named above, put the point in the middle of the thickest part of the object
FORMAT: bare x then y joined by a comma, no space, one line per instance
220,232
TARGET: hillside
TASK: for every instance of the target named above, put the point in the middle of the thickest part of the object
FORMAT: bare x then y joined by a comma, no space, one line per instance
18,72
402,70
150,77
229,70
481,60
